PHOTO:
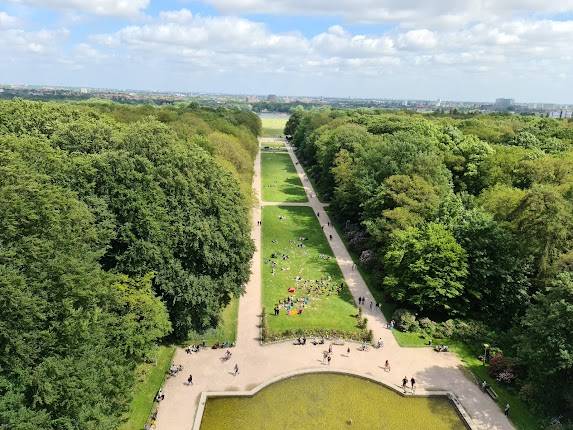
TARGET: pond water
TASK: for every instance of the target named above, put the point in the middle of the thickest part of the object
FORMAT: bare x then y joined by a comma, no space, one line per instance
329,401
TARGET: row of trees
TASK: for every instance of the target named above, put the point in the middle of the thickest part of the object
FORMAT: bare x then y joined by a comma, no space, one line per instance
119,226
468,218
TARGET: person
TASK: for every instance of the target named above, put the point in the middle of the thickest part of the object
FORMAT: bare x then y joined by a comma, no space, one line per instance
329,358
387,366
330,349
483,385
413,383
160,395
328,223
236,370
330,236
404,383
227,354
348,351
380,342
506,410
190,380
318,214
370,304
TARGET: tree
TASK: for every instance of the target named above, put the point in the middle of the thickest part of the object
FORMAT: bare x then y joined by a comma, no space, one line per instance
545,346
425,268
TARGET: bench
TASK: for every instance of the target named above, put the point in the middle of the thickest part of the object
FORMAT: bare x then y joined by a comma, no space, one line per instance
491,392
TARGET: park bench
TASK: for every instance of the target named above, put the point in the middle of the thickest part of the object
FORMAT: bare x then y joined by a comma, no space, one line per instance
491,392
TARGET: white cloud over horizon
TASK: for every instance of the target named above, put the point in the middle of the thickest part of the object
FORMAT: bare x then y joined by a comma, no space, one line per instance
431,49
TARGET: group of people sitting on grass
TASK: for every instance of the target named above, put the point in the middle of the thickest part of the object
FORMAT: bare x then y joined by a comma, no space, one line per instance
291,305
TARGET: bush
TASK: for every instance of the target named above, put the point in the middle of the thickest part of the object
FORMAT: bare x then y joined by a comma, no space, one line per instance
502,369
428,326
445,329
405,320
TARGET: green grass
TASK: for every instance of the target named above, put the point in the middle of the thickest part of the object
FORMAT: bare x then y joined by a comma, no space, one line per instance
273,126
273,145
280,180
315,261
150,378
226,330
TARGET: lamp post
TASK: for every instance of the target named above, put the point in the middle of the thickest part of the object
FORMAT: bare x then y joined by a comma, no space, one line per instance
485,348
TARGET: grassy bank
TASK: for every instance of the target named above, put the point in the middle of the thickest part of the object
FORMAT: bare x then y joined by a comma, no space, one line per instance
149,379
226,330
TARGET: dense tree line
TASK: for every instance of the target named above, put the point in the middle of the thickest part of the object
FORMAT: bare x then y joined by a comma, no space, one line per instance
464,221
119,226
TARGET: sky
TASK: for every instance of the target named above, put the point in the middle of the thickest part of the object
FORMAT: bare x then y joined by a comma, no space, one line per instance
475,50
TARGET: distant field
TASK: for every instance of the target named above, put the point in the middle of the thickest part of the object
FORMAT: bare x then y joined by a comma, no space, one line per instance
280,180
273,124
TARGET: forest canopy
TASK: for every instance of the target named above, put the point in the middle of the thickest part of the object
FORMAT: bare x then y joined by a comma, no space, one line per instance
465,222
119,226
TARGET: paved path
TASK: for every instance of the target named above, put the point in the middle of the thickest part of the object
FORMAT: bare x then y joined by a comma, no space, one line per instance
257,364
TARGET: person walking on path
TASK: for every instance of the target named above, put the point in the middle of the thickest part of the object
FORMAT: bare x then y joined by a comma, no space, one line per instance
348,352
330,236
413,382
506,410
404,384
190,380
236,370
330,349
387,366
329,358
370,304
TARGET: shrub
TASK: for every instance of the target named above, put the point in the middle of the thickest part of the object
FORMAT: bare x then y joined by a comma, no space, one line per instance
428,326
405,320
502,369
445,329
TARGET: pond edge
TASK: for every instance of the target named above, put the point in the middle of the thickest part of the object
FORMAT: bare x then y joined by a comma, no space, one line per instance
205,395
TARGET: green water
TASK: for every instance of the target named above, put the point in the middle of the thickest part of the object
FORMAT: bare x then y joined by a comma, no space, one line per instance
329,401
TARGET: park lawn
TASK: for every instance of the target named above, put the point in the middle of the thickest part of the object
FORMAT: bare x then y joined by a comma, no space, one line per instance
273,126
520,415
226,330
149,379
280,180
332,312
275,145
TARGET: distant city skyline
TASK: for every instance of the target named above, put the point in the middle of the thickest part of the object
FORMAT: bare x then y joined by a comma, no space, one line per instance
439,49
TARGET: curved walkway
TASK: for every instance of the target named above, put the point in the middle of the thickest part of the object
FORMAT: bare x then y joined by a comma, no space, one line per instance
258,363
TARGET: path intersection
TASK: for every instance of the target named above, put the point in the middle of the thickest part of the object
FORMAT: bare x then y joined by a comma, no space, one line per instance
259,363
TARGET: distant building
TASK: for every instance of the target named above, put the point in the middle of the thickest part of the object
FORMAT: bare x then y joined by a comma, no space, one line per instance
272,98
561,114
504,103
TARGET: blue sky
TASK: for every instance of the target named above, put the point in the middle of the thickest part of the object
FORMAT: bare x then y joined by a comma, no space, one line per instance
471,50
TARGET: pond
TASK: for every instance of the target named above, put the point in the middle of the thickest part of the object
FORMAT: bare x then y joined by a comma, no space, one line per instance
329,401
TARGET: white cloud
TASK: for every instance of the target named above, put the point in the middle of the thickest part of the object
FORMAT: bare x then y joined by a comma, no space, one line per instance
7,21
418,39
97,7
181,16
427,13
